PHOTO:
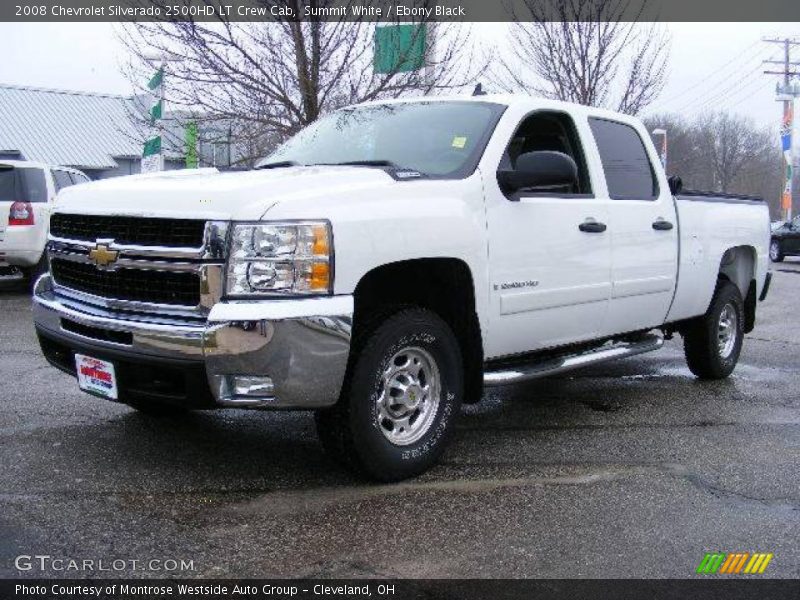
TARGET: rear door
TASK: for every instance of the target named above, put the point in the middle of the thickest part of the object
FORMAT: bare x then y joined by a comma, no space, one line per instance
643,227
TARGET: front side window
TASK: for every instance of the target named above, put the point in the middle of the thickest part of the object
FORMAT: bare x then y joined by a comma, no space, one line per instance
552,131
629,173
443,139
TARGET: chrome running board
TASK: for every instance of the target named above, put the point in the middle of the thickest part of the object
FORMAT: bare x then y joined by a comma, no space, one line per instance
552,366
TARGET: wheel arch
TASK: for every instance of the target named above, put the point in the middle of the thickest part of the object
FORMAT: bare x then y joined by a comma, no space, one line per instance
738,265
444,285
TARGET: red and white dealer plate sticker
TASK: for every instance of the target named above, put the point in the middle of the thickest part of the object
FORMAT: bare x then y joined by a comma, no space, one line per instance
96,376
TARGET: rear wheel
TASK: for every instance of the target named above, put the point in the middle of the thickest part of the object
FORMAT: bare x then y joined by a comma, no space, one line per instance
775,253
399,404
713,342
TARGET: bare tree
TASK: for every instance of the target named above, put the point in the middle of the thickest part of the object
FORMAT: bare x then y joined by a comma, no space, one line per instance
585,51
722,152
271,79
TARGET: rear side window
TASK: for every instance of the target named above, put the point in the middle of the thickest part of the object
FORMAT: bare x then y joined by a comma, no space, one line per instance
629,174
62,179
22,185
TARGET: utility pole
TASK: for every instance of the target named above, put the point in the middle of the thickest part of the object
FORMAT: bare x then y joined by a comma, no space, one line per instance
786,92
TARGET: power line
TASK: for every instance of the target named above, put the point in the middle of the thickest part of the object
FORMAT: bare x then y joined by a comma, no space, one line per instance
750,95
701,102
712,91
709,77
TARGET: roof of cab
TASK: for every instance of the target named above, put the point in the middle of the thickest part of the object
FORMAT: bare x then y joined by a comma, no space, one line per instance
510,100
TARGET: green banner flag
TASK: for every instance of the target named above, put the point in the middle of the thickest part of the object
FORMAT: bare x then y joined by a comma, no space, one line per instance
155,112
399,48
152,146
157,79
190,135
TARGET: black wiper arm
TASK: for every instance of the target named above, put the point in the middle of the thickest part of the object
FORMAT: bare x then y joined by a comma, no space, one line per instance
361,163
279,164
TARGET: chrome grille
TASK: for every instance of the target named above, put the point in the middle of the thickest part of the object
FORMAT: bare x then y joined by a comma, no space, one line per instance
139,285
178,275
129,230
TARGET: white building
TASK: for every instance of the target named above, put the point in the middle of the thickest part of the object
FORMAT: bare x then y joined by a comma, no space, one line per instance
100,134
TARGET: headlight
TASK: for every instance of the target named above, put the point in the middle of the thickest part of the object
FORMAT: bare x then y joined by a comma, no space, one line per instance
280,258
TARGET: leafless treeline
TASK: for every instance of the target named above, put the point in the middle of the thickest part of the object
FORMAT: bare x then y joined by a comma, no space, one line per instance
723,152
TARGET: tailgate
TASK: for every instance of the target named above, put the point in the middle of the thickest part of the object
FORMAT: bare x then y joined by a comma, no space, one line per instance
21,184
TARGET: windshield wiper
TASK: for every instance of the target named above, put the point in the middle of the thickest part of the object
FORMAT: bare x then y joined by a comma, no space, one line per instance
400,171
279,164
360,163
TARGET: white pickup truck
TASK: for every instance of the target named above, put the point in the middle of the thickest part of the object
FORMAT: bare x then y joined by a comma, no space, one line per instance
391,260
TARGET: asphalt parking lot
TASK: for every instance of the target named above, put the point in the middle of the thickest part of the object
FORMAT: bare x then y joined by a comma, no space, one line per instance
630,469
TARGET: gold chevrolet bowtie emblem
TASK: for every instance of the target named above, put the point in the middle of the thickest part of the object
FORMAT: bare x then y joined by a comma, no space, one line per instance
102,256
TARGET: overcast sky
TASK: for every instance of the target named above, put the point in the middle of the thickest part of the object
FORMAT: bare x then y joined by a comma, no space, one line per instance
712,65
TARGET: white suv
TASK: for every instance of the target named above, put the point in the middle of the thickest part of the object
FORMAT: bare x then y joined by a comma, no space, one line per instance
27,191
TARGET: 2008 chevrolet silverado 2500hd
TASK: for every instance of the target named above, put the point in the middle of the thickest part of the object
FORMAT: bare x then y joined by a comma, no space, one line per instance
389,261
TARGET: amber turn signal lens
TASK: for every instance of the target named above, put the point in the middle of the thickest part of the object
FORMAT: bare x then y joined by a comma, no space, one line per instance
320,276
321,245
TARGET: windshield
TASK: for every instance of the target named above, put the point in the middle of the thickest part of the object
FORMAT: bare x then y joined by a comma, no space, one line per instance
434,138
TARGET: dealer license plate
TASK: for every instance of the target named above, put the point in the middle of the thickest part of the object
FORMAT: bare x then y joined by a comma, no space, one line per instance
96,376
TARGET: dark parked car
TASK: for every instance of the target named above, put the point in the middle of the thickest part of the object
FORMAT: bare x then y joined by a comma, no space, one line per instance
785,240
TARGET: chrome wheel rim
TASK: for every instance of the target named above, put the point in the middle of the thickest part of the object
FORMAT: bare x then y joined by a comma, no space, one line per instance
773,250
409,396
727,330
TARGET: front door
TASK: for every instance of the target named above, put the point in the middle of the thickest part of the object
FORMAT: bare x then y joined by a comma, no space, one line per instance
549,250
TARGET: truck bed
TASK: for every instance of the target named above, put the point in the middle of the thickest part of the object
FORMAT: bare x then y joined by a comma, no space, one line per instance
710,224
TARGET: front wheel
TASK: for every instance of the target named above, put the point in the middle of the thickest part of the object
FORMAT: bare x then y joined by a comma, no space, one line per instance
713,342
775,253
401,399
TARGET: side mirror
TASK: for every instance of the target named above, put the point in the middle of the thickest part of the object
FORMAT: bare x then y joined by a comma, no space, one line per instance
675,184
540,169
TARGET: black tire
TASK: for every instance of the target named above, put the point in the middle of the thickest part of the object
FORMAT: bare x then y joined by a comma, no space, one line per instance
356,430
157,409
705,354
775,252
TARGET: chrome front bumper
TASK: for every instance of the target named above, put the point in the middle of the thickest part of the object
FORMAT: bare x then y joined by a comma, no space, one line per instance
296,350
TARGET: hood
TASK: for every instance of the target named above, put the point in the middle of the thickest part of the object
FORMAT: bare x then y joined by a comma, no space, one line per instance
209,194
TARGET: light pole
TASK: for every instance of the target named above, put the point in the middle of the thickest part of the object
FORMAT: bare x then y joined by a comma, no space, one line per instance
663,134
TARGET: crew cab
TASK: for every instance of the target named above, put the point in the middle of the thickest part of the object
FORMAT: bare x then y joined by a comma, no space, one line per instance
27,191
390,261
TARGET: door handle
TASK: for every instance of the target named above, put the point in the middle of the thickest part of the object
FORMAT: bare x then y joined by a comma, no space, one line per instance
662,225
592,226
